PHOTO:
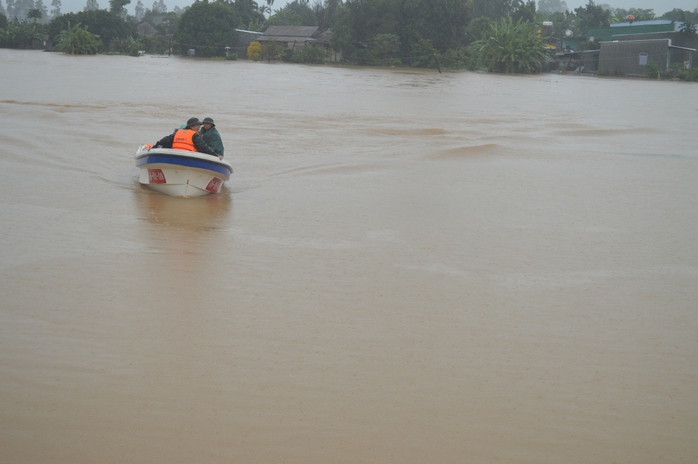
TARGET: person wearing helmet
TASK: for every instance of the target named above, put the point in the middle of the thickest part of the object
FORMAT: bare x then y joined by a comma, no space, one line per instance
211,136
187,139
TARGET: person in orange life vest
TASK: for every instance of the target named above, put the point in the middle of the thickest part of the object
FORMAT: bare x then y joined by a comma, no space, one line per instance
187,139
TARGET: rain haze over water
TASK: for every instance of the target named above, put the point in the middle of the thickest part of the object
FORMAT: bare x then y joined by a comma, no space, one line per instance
405,267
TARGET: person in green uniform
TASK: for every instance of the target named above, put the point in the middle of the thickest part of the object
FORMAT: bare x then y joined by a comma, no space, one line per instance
211,136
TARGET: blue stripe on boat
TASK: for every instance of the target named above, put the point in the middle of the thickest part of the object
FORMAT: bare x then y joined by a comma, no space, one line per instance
186,162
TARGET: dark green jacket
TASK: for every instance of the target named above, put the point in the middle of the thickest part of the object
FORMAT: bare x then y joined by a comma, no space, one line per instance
213,139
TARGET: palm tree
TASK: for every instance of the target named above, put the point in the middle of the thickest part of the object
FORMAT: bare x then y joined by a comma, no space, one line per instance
20,34
511,48
78,40
34,14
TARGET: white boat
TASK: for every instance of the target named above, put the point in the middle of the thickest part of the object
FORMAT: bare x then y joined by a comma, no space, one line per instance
181,173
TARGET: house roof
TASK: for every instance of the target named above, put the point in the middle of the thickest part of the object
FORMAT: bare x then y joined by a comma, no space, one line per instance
638,27
146,28
324,37
156,19
649,22
290,33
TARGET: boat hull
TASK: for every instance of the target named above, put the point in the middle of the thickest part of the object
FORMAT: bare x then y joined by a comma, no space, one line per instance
181,173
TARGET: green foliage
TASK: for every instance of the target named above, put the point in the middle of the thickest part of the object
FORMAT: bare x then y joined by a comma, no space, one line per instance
313,54
310,54
232,57
247,12
690,75
342,39
455,59
525,12
258,26
296,13
286,55
365,57
108,26
678,72
681,15
561,22
117,6
207,27
424,55
328,13
511,48
492,9
478,29
271,50
592,15
620,15
611,72
385,46
264,10
129,46
156,44
365,19
34,14
168,26
688,29
3,21
77,40
441,22
652,69
20,34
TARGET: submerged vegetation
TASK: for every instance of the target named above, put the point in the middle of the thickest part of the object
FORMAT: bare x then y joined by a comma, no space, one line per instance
20,35
511,48
77,40
677,71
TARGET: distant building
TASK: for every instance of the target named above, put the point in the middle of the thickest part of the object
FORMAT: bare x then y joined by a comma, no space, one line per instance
628,48
146,28
295,37
292,37
605,34
631,57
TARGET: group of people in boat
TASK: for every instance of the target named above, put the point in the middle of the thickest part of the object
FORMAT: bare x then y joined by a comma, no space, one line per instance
195,135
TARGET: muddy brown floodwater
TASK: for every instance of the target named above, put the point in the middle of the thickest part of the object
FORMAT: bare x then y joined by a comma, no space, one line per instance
405,267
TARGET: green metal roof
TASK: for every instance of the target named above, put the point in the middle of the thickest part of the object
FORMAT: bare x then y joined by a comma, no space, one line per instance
604,34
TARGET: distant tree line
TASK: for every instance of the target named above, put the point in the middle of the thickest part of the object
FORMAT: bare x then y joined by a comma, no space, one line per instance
499,35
